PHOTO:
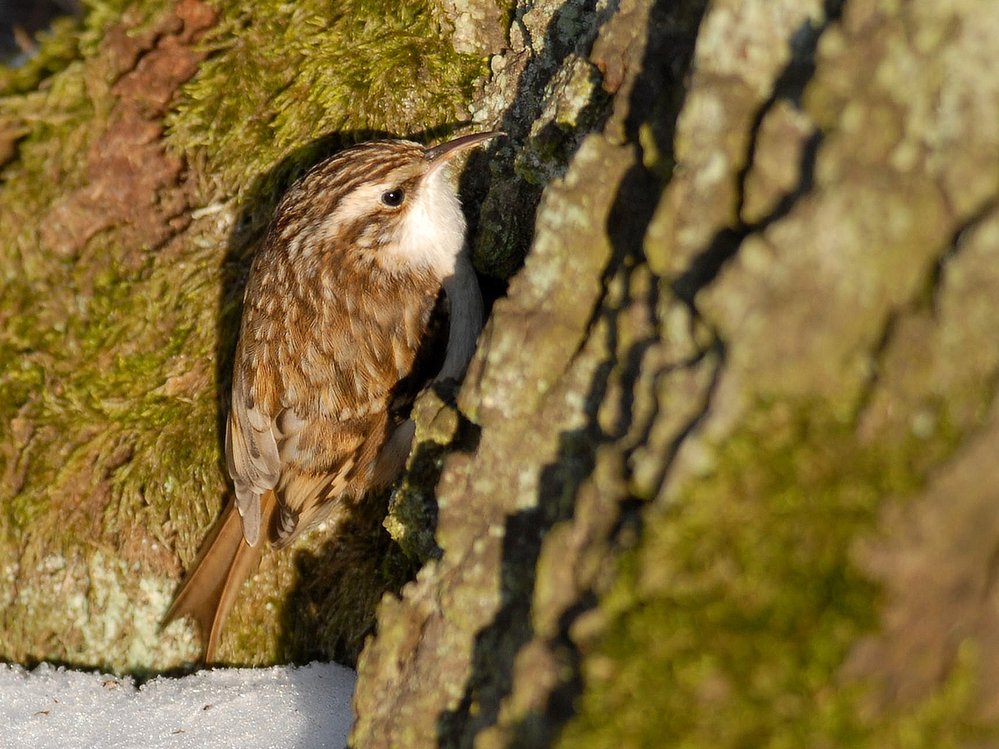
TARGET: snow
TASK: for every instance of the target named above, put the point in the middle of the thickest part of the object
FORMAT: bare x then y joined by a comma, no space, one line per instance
248,708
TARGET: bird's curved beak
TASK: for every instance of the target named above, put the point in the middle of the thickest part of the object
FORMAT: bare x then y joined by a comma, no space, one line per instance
442,153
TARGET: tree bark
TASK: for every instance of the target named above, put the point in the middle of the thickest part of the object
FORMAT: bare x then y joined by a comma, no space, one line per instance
720,472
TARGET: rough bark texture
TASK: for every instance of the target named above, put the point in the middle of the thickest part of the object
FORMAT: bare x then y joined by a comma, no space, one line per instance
721,473
726,408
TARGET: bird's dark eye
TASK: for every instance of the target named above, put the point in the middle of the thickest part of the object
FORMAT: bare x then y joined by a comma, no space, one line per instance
394,198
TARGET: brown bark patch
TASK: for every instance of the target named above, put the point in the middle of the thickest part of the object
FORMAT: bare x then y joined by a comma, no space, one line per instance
132,182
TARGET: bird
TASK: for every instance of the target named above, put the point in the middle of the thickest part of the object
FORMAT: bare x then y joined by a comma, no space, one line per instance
340,306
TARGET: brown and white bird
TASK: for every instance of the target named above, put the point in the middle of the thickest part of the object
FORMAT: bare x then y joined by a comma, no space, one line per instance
337,309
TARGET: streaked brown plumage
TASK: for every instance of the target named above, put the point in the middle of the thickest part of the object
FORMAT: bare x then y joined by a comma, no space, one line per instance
336,311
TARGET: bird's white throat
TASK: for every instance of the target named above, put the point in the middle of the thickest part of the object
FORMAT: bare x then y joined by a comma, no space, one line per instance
433,228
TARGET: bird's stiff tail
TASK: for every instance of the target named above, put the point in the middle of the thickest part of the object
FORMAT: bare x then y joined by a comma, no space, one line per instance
223,563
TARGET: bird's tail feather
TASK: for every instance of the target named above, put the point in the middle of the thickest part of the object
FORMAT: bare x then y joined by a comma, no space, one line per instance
223,563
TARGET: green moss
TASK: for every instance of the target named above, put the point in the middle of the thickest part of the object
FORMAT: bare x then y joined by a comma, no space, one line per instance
67,39
109,357
56,48
729,625
294,72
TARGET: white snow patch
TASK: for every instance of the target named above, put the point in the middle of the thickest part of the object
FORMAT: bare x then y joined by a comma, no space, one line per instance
282,707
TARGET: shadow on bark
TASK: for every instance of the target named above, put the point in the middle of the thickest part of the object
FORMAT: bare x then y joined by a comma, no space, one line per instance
656,100
789,86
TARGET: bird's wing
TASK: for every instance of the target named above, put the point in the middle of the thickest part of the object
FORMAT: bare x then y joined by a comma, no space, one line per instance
252,456
325,464
307,421
318,387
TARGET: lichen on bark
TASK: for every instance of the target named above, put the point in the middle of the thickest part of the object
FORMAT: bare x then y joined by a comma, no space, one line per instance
702,560
719,474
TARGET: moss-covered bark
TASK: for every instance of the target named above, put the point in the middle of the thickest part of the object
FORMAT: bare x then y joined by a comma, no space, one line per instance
721,471
133,192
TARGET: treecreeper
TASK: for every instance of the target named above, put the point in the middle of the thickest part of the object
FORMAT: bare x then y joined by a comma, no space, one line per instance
342,305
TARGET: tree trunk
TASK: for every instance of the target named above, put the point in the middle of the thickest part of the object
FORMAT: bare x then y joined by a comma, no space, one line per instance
720,472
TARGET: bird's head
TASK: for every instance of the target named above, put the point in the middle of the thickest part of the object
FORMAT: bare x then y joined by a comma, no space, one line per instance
391,201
